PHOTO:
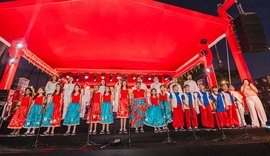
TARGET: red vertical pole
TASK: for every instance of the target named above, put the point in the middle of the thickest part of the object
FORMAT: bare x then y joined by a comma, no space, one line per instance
232,41
207,62
11,68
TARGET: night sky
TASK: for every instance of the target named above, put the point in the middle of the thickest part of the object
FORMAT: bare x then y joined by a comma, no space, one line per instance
258,63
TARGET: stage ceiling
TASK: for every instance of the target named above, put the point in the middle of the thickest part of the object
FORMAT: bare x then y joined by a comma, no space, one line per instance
142,35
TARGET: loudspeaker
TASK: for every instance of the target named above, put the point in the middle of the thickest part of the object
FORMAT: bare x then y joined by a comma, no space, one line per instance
250,33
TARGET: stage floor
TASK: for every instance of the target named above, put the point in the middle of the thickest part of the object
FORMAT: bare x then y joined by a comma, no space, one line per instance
147,143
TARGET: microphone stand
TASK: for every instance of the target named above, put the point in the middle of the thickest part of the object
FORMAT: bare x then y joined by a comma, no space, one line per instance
168,140
4,107
246,135
129,125
43,109
89,143
223,137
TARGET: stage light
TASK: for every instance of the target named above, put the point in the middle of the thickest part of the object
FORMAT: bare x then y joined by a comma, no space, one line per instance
118,76
203,41
204,52
68,75
111,77
95,77
149,77
208,70
103,76
12,60
166,77
133,76
78,77
19,45
126,76
86,75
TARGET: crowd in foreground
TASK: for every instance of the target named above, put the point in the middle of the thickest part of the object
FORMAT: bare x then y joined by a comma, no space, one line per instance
156,107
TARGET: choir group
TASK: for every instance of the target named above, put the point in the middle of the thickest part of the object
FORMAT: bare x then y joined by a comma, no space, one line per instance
155,108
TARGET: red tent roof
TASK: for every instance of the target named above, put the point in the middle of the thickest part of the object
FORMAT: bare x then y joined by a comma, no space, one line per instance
108,34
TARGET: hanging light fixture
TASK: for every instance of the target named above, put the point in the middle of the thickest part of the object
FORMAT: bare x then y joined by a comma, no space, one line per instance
103,76
78,77
111,77
95,77
133,76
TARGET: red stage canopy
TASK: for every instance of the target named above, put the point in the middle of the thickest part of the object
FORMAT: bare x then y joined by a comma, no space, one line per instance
104,35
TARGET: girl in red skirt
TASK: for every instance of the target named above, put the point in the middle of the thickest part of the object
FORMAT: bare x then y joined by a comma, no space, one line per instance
18,119
122,112
94,111
53,116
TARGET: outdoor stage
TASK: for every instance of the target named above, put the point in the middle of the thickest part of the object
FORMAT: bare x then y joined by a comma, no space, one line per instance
146,143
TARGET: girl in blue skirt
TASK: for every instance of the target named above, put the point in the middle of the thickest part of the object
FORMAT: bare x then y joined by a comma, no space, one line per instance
34,117
154,114
106,110
165,106
52,116
72,117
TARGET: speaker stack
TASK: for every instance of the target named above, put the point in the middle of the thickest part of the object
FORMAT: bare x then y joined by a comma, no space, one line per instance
250,33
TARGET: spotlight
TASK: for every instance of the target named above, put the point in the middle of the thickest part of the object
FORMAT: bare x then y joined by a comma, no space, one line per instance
133,76
118,76
203,41
86,75
223,82
111,77
149,77
208,70
19,45
126,76
12,60
103,76
166,77
68,75
95,77
78,77
204,52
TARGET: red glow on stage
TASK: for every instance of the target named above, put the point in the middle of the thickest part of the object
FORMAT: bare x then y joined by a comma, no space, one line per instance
120,36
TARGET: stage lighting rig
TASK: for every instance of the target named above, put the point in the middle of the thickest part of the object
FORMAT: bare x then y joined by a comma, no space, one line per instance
118,76
111,77
133,76
95,77
149,77
103,76
86,75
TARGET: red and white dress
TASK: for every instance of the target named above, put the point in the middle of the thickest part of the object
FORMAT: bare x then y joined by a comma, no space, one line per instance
57,115
94,113
123,104
19,117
